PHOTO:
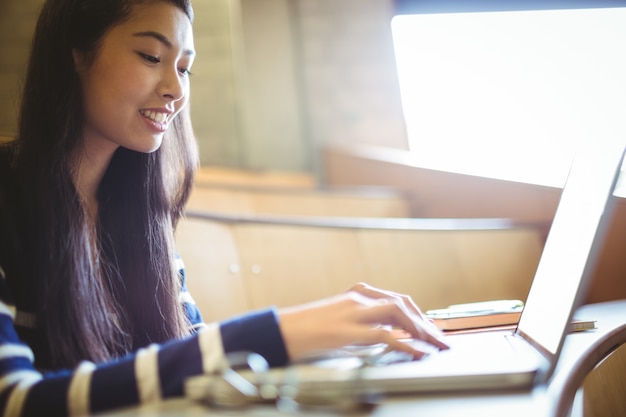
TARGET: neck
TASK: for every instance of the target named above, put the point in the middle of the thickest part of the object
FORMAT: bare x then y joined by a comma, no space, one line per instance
90,166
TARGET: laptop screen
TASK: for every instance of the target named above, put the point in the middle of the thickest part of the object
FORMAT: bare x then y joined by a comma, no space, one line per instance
573,244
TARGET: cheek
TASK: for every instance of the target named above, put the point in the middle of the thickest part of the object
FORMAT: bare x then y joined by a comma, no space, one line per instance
119,78
104,90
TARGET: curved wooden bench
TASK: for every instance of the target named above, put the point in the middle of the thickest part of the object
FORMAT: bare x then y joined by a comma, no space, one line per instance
248,177
237,263
353,201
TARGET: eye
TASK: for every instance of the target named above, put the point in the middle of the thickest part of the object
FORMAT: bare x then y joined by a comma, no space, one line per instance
151,59
185,71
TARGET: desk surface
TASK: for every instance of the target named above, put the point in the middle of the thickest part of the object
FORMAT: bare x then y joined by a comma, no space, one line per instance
581,352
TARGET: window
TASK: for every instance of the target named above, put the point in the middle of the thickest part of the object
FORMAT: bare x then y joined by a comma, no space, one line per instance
509,94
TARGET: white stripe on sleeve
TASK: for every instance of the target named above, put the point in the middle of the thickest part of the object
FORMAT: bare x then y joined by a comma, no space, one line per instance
179,264
14,377
16,351
185,297
80,387
18,396
147,374
210,340
7,310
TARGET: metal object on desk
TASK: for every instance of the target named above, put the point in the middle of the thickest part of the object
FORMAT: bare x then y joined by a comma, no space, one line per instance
247,380
229,388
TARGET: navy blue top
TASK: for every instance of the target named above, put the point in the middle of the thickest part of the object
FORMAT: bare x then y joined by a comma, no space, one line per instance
150,374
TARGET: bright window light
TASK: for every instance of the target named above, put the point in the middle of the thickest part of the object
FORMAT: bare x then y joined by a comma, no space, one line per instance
510,94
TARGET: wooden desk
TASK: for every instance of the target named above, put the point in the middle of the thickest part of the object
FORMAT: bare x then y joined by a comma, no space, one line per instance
582,351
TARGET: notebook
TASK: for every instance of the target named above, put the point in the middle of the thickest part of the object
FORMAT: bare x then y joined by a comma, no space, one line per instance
509,359
513,359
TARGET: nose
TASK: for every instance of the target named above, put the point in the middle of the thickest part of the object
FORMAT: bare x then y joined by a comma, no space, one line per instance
172,87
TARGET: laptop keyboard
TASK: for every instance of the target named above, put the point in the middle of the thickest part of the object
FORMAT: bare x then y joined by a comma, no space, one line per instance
478,344
375,355
387,357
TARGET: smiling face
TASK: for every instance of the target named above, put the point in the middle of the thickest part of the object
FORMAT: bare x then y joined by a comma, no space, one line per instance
139,79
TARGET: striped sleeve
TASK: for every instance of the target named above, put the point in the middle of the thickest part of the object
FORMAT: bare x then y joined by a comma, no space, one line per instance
257,331
151,374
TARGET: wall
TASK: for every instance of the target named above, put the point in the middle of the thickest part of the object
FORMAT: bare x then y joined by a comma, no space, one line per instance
351,92
214,101
17,20
271,118
306,74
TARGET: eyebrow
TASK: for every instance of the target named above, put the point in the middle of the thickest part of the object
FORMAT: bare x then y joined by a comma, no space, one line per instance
161,38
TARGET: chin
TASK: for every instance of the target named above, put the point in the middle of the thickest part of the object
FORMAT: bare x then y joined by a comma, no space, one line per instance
148,147
154,148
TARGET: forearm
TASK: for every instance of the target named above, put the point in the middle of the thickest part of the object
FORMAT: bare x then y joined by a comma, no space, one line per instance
257,332
149,375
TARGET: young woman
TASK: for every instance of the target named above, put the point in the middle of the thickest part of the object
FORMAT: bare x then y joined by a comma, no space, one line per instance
94,312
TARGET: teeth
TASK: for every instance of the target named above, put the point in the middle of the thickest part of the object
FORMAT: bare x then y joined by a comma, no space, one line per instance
157,117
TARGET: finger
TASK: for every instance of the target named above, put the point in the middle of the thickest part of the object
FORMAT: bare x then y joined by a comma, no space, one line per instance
393,344
377,293
393,314
407,348
405,303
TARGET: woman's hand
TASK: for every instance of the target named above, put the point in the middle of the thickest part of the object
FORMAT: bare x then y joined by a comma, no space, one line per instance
361,316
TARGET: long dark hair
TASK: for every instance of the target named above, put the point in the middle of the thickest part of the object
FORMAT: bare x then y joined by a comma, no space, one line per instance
95,304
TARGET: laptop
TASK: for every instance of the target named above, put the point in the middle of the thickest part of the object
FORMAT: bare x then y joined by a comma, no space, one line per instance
492,360
504,359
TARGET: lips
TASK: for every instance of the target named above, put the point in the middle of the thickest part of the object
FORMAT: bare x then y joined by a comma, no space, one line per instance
156,120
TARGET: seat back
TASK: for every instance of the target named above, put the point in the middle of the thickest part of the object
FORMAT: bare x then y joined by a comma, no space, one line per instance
362,202
241,263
